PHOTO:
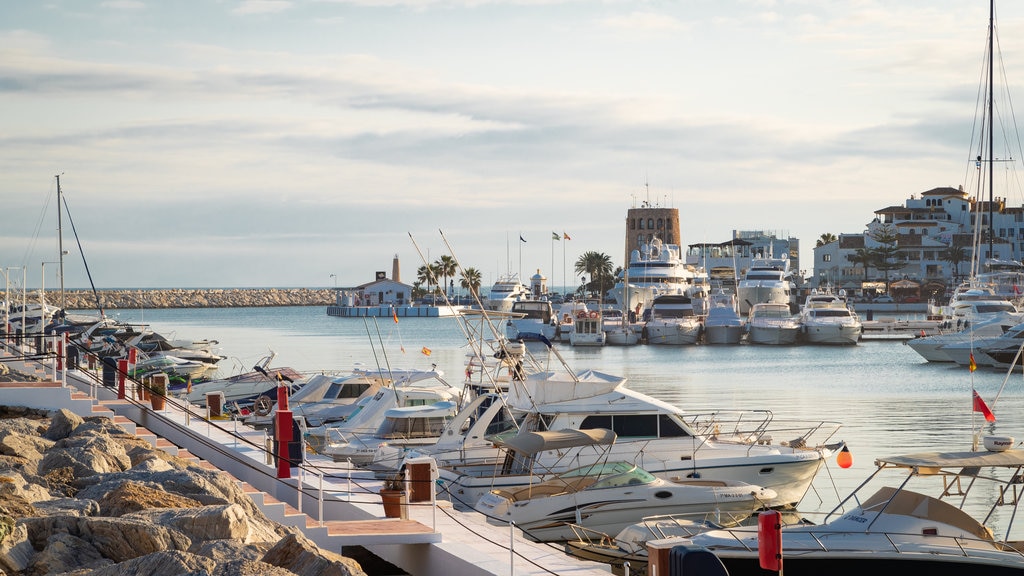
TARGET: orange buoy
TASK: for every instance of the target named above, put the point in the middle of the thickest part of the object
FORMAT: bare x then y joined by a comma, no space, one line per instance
844,458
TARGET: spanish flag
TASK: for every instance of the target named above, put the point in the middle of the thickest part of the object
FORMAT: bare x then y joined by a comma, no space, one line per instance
565,236
972,366
426,351
980,406
394,314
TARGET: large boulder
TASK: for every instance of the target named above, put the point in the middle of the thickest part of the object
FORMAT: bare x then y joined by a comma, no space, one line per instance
87,456
16,549
299,555
227,521
133,497
66,553
118,539
62,423
169,562
28,446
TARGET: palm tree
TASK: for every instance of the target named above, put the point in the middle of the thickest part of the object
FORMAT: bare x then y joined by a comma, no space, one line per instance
862,256
471,280
955,254
826,238
446,267
599,267
425,275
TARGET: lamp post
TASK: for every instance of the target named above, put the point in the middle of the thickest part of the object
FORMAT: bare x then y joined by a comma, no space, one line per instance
42,281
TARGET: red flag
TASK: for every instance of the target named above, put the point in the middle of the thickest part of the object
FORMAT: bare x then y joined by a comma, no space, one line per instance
566,236
394,314
972,366
980,406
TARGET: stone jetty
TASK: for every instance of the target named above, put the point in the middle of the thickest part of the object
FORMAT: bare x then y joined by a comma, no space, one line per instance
82,496
187,298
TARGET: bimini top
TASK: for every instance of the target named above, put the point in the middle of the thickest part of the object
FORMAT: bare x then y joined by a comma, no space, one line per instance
533,442
932,462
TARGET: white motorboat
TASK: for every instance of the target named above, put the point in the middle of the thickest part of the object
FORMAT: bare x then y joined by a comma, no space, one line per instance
566,318
826,318
768,280
609,496
897,530
531,318
243,390
933,348
655,269
976,348
505,290
772,323
673,321
405,427
588,329
722,324
652,434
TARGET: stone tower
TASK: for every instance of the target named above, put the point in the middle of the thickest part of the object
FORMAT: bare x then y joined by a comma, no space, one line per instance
647,222
394,270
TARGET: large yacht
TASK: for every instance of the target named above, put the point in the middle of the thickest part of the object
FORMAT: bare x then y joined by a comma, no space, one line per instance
828,319
655,269
767,280
506,290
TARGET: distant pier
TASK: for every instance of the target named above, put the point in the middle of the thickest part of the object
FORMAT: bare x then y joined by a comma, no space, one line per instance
389,311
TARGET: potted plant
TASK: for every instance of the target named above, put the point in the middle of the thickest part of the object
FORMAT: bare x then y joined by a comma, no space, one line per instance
394,496
158,391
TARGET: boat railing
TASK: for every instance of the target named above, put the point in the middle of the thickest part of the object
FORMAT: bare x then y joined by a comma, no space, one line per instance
899,542
754,427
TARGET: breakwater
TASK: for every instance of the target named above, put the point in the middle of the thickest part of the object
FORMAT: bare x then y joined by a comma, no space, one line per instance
186,298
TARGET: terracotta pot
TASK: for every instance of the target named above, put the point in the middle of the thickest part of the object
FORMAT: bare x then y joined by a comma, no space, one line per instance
395,503
159,401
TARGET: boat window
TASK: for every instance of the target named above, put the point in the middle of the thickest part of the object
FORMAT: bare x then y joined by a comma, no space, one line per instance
348,390
638,425
597,421
411,427
669,428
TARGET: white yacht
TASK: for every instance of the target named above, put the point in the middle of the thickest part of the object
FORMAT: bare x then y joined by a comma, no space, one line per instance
767,280
652,434
506,290
531,319
673,321
772,323
723,325
827,319
588,329
653,270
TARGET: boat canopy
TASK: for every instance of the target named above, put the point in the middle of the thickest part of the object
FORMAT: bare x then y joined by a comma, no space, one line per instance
932,462
552,387
533,442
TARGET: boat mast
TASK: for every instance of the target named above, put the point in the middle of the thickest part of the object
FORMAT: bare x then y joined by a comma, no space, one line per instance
991,155
60,244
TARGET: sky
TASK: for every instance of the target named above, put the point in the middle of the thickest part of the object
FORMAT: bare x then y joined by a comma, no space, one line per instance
305,143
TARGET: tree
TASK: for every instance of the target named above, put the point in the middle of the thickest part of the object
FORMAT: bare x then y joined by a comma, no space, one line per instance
425,275
471,280
954,254
864,257
826,238
446,267
599,267
887,255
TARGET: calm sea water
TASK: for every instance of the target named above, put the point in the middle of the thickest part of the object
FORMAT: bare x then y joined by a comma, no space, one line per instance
887,398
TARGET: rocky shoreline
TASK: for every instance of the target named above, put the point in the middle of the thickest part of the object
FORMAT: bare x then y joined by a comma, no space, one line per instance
189,298
83,497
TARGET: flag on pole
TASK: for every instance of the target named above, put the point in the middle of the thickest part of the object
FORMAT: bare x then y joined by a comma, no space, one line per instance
521,239
555,236
972,366
394,314
980,406
565,236
426,351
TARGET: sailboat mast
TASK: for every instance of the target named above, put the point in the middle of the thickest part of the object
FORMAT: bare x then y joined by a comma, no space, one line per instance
991,154
60,243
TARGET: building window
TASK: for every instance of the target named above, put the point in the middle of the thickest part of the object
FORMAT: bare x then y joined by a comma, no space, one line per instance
661,224
826,258
641,220
650,223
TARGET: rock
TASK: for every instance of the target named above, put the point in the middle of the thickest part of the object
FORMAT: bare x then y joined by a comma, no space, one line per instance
229,550
299,555
60,481
118,539
66,553
16,550
67,507
133,497
62,424
24,446
227,521
87,456
170,562
15,484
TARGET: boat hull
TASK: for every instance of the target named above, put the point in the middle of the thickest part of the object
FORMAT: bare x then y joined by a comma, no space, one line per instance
723,334
773,335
